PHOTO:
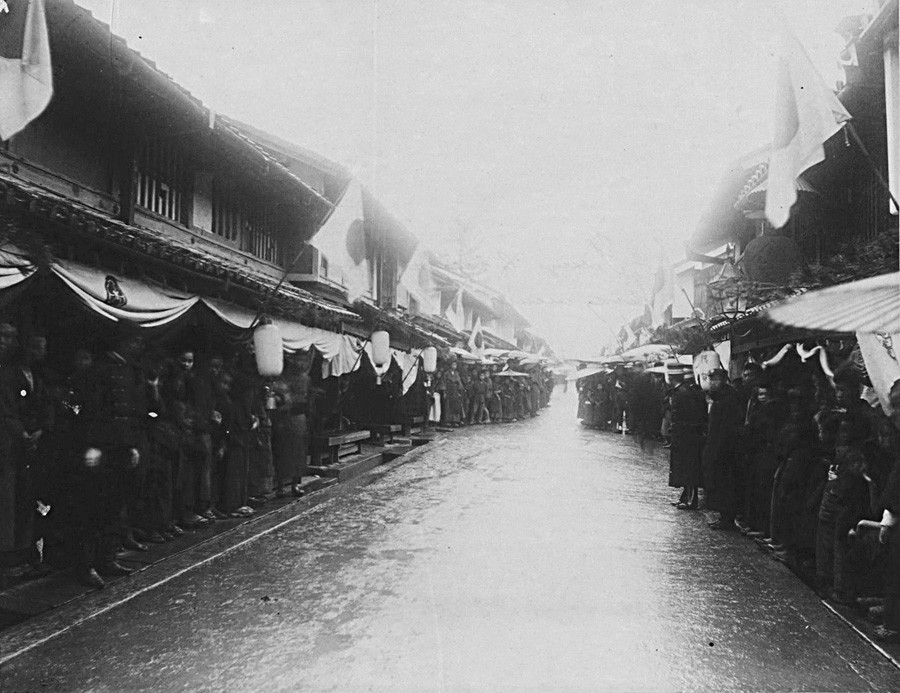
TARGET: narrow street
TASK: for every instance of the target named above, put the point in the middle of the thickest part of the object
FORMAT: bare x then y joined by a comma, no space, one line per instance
531,556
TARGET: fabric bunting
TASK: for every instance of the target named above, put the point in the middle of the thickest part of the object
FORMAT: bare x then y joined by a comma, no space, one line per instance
125,298
151,305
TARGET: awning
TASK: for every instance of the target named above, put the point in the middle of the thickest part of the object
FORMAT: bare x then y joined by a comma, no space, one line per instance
586,373
867,305
465,355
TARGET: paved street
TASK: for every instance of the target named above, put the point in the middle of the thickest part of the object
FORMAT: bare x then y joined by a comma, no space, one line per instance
535,555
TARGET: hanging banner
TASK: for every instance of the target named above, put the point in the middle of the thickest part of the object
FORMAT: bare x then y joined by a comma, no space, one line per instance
123,298
880,356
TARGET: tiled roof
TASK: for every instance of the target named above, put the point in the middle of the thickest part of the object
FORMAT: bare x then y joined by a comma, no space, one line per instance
180,254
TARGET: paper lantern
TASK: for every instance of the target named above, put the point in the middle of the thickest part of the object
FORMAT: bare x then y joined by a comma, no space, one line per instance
381,348
704,363
429,359
268,349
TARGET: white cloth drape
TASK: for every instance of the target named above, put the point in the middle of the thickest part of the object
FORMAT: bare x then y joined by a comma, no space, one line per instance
14,268
123,298
147,304
880,356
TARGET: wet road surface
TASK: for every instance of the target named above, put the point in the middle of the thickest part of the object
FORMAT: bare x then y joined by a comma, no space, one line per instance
530,556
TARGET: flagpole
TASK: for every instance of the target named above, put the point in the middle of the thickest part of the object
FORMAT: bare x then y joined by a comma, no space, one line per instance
871,162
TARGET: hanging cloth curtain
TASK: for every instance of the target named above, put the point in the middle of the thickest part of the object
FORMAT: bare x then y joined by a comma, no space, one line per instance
409,364
123,298
339,352
14,267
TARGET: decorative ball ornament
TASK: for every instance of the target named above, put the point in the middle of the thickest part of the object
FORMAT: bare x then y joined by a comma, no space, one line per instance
268,349
381,348
771,259
429,359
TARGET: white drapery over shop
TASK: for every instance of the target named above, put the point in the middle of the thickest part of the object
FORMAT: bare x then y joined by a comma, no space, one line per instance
339,352
122,298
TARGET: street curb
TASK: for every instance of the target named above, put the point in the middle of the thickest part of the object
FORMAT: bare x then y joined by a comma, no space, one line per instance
46,626
861,634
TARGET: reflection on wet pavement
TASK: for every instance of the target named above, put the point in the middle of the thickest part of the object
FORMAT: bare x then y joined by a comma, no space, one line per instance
535,555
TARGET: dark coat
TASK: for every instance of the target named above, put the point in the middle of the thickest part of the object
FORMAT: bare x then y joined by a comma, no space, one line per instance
687,433
452,388
116,406
720,451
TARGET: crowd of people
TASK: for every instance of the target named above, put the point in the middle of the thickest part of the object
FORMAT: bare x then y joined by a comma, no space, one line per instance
131,446
798,460
466,394
123,443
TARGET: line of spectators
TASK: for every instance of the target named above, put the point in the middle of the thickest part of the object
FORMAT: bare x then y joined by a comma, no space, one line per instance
477,394
802,464
130,446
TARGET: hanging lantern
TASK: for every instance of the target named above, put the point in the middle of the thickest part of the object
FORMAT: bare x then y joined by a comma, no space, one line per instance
704,363
429,359
268,349
381,348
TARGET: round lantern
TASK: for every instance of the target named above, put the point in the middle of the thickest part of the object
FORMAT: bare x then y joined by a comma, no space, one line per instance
381,348
268,349
704,363
429,359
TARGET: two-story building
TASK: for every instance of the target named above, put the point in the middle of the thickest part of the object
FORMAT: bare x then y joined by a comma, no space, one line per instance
841,228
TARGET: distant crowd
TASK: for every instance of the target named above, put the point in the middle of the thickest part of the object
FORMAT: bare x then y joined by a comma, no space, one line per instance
793,458
474,393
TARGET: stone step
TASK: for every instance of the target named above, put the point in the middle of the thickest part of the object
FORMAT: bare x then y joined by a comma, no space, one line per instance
350,467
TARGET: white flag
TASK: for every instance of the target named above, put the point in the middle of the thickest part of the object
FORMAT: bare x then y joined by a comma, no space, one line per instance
417,280
476,340
26,78
342,239
455,314
807,113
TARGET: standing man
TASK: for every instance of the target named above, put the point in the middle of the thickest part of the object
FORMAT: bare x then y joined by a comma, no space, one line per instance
688,406
719,461
114,419
10,435
26,383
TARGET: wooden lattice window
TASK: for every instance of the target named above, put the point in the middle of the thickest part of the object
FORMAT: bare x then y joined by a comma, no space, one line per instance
251,225
163,180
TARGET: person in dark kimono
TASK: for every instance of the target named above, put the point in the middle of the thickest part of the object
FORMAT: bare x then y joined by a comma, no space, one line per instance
26,385
289,437
495,407
688,405
645,407
719,458
451,388
10,434
761,455
114,432
845,501
478,394
619,385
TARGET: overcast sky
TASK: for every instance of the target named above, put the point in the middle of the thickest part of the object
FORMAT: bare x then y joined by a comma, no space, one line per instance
573,141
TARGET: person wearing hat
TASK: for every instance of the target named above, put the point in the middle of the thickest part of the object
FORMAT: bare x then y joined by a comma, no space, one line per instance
114,420
688,406
719,460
